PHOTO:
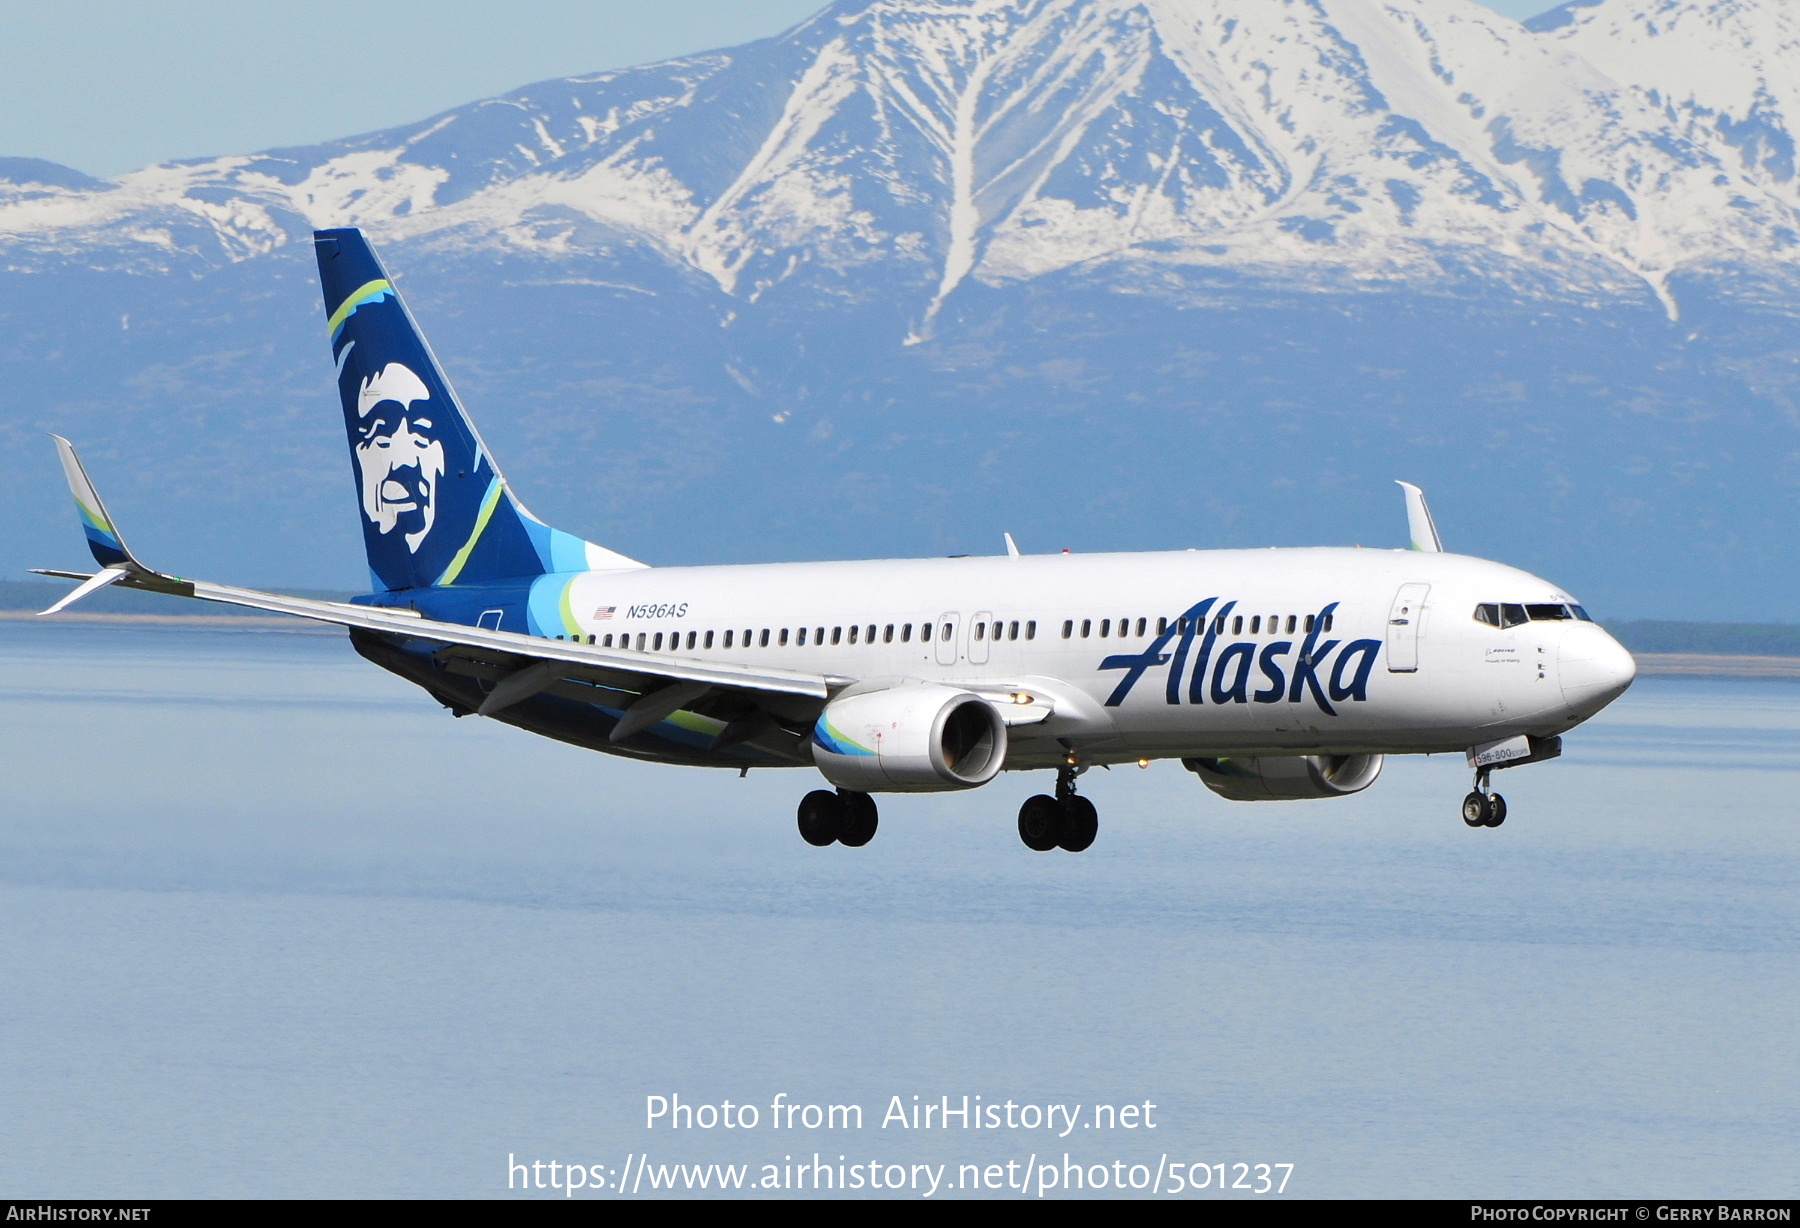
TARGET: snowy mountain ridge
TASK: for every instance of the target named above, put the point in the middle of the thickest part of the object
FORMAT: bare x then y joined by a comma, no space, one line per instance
1602,148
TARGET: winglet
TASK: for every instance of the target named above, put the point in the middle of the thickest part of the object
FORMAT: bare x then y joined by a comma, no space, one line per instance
1418,520
109,548
1012,547
116,561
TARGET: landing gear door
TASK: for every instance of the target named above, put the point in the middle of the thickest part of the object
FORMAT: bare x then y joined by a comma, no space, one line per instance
1404,623
948,625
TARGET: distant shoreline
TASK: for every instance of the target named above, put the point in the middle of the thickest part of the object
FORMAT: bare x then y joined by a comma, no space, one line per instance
1650,664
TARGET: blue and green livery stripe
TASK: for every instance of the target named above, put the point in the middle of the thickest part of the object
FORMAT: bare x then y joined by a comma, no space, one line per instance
97,528
834,740
489,502
566,613
368,292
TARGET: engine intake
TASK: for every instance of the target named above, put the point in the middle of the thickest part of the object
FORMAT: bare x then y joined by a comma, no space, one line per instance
1271,778
921,738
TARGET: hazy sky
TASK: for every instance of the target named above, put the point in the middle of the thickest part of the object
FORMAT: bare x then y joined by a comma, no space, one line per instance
111,85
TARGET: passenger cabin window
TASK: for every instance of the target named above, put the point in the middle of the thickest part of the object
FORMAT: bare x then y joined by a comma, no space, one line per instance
887,634
1105,626
1087,627
925,633
1068,628
1031,630
765,638
869,636
906,634
709,638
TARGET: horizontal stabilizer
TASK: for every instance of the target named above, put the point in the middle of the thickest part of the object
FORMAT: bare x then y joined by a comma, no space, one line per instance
92,584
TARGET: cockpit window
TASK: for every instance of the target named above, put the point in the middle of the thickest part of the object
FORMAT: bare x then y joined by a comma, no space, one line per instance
1504,614
1495,614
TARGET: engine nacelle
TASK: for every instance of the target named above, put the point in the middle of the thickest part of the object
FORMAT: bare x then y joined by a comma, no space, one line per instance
1283,778
919,738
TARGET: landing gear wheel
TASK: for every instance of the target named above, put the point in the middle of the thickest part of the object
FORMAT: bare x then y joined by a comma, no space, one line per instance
821,817
1475,810
1040,823
860,819
1496,810
1081,823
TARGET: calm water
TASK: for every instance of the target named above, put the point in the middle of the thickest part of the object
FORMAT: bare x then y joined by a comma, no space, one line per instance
272,923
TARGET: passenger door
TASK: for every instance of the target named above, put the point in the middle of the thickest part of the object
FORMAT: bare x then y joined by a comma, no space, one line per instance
1403,628
948,625
979,633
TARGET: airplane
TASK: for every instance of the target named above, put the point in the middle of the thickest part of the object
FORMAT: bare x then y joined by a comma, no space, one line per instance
1271,674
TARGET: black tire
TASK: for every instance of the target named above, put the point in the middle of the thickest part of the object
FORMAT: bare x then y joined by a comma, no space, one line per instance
1496,810
1475,810
821,817
1081,823
1040,823
860,819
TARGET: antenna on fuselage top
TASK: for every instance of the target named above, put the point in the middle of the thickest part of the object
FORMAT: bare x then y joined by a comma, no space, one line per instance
1418,520
1012,547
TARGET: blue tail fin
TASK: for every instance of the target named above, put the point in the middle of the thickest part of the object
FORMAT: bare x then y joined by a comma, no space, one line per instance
436,511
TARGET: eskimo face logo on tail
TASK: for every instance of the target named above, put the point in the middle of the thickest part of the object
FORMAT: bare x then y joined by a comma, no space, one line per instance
399,458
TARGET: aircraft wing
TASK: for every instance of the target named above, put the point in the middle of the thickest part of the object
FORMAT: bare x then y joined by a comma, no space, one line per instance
647,687
627,665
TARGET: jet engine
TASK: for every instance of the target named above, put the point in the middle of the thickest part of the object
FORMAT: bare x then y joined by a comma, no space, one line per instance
1272,778
919,738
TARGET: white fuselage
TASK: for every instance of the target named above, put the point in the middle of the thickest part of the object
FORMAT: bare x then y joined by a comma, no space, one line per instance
1401,666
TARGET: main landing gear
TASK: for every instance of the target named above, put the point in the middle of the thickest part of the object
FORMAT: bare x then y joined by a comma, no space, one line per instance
844,817
1066,821
1483,807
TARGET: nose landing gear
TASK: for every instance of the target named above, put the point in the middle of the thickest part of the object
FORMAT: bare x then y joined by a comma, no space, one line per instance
1066,821
1483,807
845,817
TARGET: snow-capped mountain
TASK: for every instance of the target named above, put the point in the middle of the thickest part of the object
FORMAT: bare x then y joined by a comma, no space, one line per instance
1724,72
916,248
1002,140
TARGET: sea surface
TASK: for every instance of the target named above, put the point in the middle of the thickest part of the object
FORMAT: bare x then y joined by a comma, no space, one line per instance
273,923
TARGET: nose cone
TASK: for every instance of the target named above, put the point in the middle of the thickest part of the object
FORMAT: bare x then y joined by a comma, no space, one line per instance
1593,667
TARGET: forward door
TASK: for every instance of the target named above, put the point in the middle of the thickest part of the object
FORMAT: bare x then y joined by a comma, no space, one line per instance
1403,628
